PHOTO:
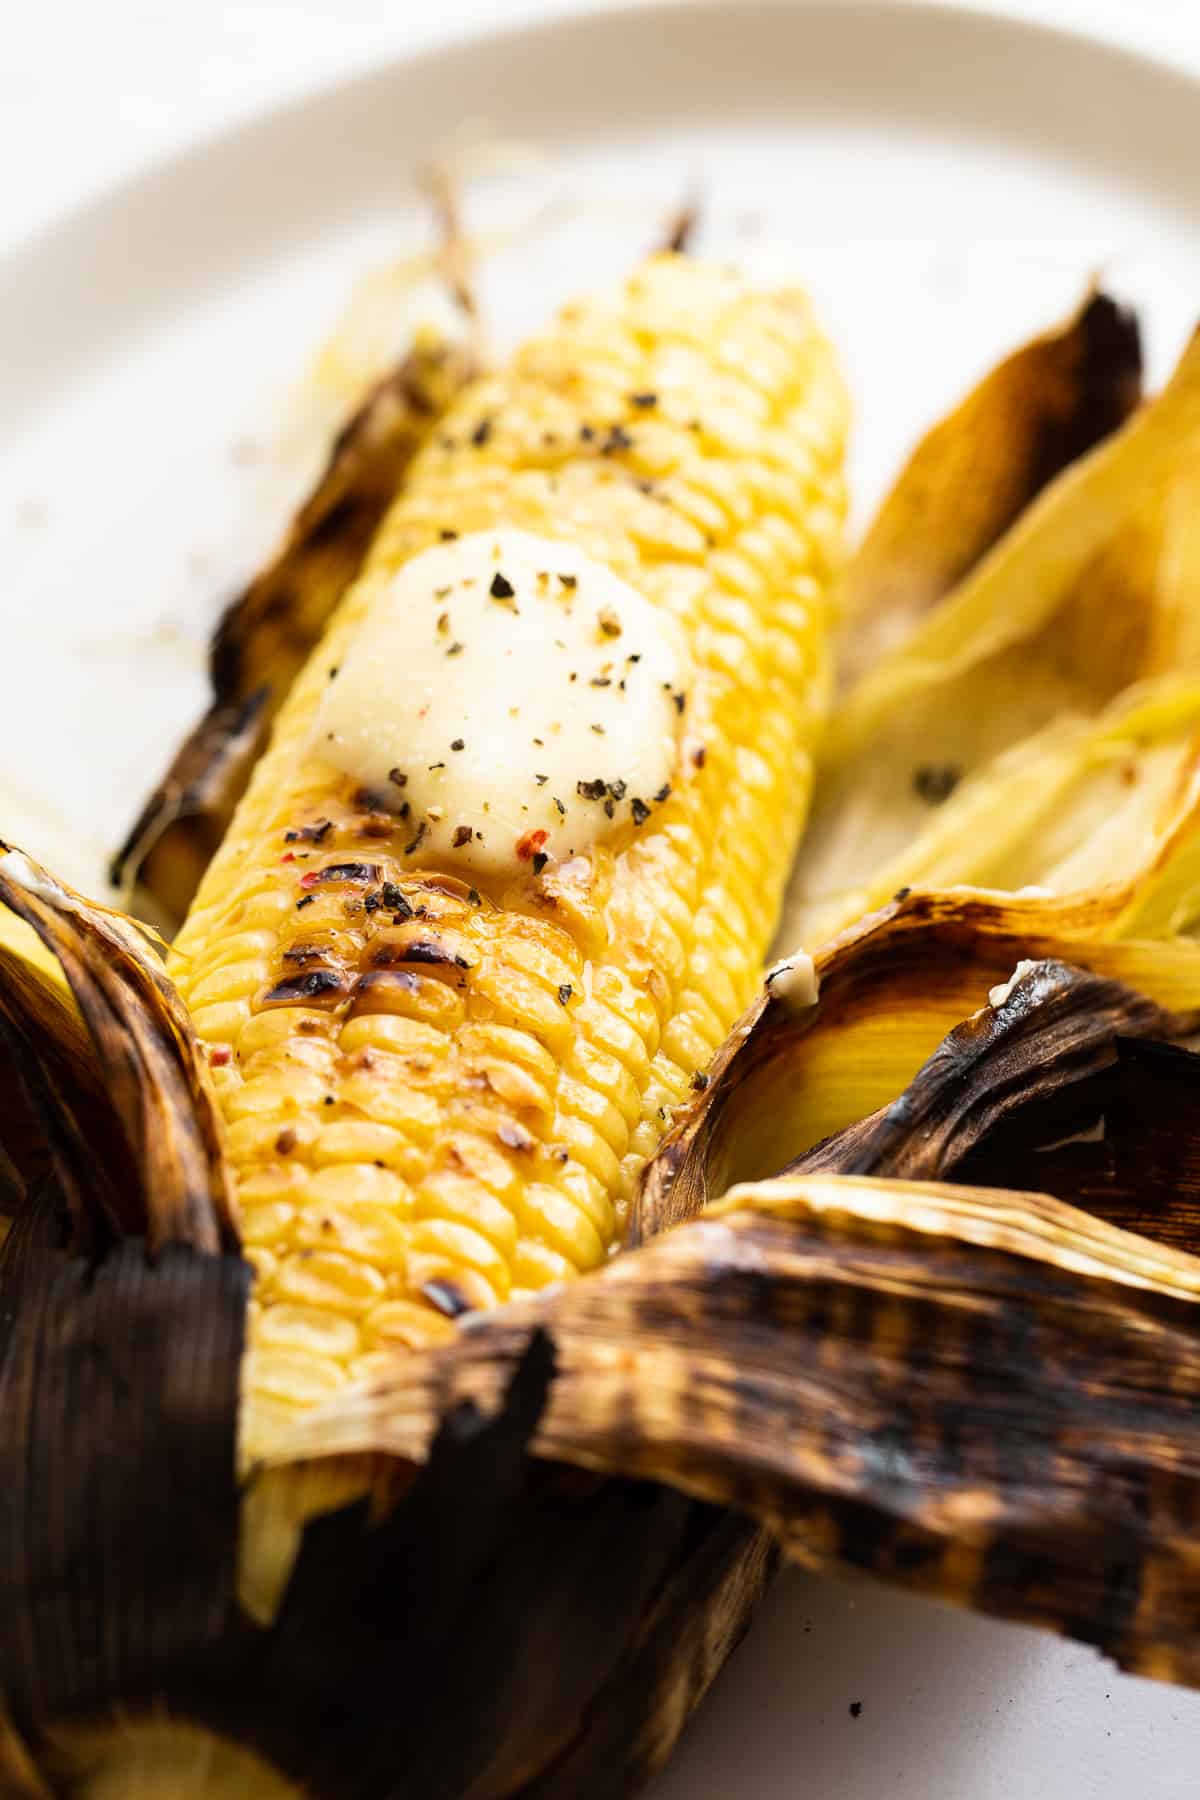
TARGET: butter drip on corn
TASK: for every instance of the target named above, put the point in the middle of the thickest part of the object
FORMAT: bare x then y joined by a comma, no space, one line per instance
439,1095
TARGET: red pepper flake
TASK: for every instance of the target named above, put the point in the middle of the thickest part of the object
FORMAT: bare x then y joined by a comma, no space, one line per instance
289,856
530,843
219,1056
285,1143
699,756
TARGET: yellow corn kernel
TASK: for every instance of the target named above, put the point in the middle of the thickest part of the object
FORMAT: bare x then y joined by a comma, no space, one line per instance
478,1124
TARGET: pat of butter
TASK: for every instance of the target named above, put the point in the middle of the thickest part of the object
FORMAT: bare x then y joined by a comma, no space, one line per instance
511,698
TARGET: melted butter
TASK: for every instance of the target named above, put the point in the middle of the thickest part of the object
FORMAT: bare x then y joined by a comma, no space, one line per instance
794,982
511,698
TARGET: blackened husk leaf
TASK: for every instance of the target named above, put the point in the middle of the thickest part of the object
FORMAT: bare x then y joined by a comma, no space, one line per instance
1033,1065
148,1062
972,475
987,1396
890,989
1127,1159
118,1504
266,635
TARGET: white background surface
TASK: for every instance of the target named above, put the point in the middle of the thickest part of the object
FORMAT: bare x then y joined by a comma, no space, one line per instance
90,89
953,1708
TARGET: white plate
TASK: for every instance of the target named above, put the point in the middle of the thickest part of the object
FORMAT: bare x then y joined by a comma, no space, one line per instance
947,182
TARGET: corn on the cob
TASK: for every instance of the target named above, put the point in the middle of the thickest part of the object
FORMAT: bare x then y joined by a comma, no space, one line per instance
406,1146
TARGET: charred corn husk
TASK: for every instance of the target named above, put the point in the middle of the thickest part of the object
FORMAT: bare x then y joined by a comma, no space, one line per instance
437,1096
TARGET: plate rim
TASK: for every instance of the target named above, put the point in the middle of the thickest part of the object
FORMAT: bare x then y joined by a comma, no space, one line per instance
533,21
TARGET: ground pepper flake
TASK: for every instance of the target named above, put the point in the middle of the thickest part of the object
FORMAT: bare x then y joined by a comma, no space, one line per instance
454,649
481,433
462,835
935,782
540,859
501,587
309,834
640,811
564,993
